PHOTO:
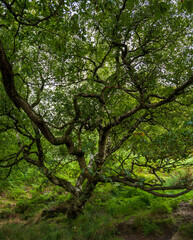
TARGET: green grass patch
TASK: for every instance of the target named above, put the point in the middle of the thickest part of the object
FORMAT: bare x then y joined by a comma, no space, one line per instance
43,231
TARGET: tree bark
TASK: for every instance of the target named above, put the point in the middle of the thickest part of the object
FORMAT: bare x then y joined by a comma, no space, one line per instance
72,208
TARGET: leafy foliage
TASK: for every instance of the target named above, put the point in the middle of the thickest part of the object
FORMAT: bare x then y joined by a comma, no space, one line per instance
97,92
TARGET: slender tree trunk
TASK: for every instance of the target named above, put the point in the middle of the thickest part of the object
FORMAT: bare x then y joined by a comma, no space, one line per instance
77,205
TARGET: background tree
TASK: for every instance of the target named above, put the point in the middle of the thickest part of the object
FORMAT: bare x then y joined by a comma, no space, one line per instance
100,90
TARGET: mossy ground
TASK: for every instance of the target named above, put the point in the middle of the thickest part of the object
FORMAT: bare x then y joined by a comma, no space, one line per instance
114,212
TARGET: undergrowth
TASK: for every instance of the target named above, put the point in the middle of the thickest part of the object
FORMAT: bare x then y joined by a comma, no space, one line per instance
186,230
109,206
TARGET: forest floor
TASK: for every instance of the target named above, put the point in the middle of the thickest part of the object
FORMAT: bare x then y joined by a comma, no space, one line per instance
111,214
128,231
182,215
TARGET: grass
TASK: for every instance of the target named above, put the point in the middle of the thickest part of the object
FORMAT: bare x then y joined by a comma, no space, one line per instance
98,227
43,231
186,230
108,207
150,224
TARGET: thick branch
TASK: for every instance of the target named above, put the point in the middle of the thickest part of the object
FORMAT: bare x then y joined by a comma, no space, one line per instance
49,174
124,116
179,90
134,183
169,195
9,85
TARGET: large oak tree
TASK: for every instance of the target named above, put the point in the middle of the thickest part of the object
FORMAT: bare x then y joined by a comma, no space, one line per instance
97,91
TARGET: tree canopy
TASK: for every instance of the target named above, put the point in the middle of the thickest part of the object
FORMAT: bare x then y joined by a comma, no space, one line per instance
98,91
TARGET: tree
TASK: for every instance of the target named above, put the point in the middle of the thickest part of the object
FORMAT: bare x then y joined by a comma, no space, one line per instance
101,91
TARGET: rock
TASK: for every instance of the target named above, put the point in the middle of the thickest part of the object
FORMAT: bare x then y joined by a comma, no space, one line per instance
184,213
176,236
